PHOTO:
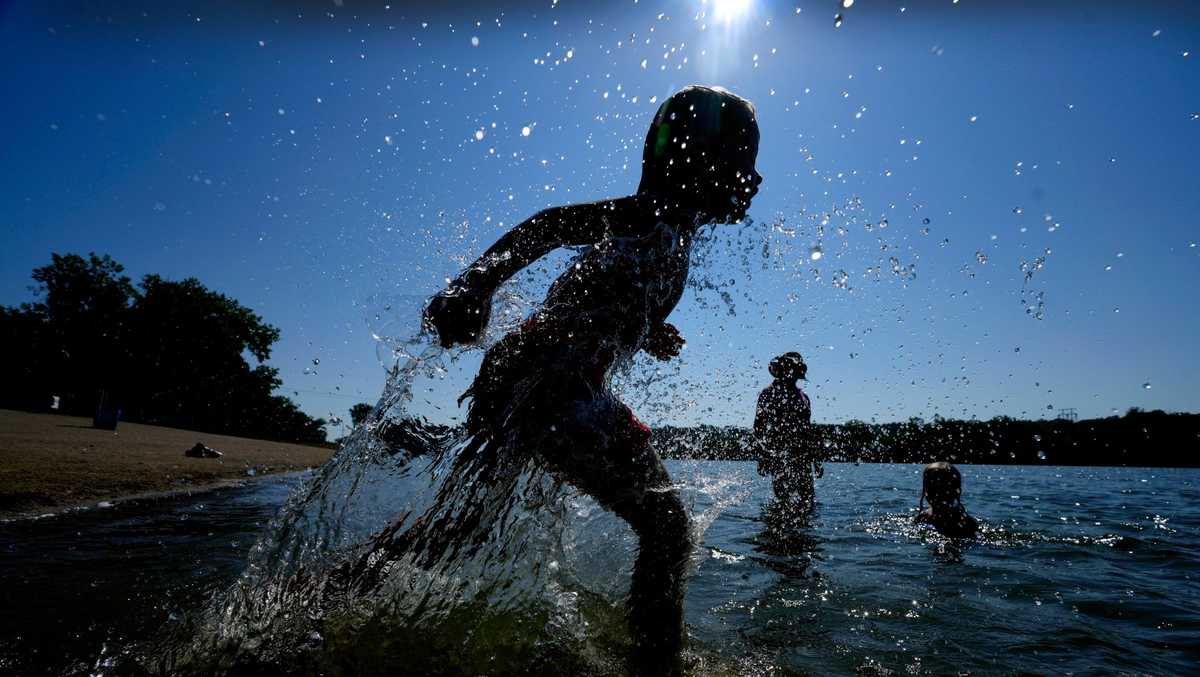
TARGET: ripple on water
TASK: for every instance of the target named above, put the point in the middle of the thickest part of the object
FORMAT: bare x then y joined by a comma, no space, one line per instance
854,587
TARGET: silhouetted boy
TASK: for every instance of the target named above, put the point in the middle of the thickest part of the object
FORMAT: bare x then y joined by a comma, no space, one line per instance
544,389
782,427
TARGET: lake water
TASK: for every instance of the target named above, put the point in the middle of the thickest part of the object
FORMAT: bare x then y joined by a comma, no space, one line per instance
1079,570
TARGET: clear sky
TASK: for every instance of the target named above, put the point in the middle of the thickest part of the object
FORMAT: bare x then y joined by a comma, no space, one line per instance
328,164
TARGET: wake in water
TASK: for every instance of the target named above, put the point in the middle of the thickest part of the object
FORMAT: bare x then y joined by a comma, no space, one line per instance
401,557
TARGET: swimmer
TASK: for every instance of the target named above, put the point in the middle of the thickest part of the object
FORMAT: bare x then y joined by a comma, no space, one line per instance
942,485
545,388
783,429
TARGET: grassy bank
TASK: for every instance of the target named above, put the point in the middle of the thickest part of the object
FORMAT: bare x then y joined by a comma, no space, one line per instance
49,462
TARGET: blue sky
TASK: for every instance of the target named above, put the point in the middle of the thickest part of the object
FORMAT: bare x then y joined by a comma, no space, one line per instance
320,162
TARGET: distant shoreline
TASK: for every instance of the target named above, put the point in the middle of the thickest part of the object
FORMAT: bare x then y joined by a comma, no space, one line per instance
1151,439
51,464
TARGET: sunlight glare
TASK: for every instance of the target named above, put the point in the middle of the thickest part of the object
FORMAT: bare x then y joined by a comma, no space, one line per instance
729,10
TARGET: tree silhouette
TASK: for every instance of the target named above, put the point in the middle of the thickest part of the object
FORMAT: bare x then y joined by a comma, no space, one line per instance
78,327
360,412
170,352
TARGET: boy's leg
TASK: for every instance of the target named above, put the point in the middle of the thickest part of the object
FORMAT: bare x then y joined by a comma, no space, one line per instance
605,453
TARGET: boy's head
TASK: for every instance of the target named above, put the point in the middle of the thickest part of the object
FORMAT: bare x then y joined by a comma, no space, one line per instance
788,367
942,484
701,150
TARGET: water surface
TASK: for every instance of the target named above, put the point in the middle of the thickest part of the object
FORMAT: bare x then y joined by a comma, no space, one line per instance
1079,570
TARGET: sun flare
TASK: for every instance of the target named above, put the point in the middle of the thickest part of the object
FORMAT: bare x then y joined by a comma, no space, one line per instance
730,10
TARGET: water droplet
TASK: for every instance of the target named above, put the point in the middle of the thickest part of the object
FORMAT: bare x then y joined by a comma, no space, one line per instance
1146,385
479,135
837,21
815,253
847,4
526,131
316,361
474,40
974,118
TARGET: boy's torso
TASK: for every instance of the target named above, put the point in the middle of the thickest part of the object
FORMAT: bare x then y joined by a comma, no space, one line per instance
616,291
783,417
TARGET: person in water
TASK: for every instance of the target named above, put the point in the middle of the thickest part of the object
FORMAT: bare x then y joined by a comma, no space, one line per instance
942,485
545,389
783,430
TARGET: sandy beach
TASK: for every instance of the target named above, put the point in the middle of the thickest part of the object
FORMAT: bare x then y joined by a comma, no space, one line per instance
49,463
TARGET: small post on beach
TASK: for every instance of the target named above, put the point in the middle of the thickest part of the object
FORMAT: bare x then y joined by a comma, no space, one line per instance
107,416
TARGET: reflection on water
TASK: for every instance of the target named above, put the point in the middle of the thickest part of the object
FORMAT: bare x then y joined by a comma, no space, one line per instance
1079,569
78,588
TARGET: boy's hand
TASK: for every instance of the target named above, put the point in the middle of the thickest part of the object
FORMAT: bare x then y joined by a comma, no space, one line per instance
458,315
664,342
818,470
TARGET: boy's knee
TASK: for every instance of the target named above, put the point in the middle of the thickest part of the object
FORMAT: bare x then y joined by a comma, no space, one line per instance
665,518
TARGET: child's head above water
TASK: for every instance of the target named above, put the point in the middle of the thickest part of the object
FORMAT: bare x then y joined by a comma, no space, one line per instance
942,485
701,150
788,367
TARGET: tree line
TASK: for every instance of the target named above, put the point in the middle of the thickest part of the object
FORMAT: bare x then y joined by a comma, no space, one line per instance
164,352
1138,438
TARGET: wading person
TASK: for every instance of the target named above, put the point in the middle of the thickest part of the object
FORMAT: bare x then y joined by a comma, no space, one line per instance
544,389
783,431
941,483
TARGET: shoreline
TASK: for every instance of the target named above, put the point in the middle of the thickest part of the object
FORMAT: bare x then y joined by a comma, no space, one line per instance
110,502
52,464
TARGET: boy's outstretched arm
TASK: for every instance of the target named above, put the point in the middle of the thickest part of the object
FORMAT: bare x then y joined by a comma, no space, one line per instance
459,314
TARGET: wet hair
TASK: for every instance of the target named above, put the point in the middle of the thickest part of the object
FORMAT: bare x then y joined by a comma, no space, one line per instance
696,130
788,365
942,483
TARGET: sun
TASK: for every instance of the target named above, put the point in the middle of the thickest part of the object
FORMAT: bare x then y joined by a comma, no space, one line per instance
730,10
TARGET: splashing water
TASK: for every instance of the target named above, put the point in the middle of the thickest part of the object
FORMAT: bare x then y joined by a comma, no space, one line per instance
393,558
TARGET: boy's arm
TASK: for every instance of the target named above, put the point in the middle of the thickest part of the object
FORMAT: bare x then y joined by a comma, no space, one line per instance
549,229
459,313
762,415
